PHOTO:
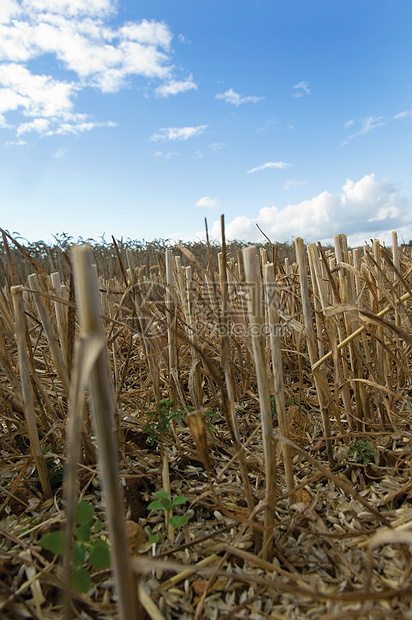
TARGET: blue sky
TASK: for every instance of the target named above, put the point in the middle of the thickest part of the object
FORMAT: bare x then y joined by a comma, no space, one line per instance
140,119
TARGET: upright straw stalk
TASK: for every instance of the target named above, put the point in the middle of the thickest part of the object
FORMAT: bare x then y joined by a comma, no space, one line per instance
144,319
310,338
228,370
330,329
382,362
272,301
347,296
171,326
195,377
397,270
253,279
29,412
103,407
49,331
61,317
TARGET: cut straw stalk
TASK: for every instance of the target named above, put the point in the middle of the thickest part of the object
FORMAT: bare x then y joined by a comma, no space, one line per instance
173,376
351,323
195,377
253,278
272,301
228,370
103,408
381,361
55,349
29,412
341,294
358,331
310,338
397,265
61,316
171,326
149,345
5,317
316,270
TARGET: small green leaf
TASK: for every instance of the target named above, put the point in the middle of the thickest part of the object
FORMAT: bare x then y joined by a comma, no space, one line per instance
179,499
97,526
84,513
178,521
162,495
156,505
78,555
100,554
154,538
83,533
80,580
54,542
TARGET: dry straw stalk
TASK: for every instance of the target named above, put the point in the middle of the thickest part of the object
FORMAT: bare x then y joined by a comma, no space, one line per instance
103,408
29,412
253,278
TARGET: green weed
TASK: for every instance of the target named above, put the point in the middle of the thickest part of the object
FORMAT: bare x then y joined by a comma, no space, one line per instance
159,421
88,547
163,502
362,450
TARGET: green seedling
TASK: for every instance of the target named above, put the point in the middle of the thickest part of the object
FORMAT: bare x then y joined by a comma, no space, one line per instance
159,421
362,450
163,502
88,548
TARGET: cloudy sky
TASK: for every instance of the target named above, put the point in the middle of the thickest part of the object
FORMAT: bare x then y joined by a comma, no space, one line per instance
140,119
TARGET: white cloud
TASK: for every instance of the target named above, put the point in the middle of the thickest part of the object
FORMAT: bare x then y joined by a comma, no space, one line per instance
363,210
404,114
51,126
71,7
366,125
68,128
385,213
230,96
59,153
15,143
8,9
161,156
39,125
301,89
370,123
34,94
217,146
268,126
206,201
294,183
349,124
175,87
281,165
88,48
167,134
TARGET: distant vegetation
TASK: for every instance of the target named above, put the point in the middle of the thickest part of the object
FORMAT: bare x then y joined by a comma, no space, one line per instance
55,257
